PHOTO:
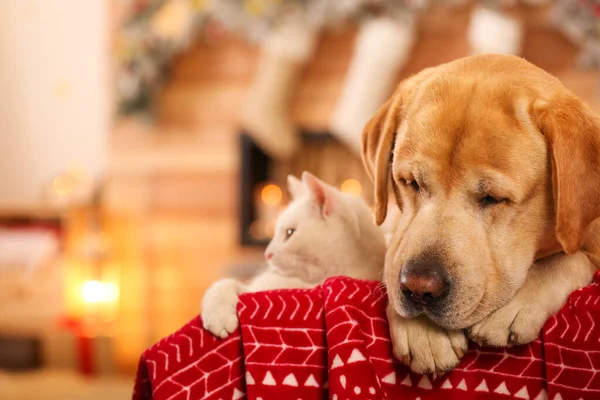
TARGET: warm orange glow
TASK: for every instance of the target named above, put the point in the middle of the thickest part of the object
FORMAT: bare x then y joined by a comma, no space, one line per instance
271,195
62,185
111,292
270,229
352,186
257,230
96,292
281,210
92,291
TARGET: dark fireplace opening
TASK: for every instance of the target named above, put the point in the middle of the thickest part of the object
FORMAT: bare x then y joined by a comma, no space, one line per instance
263,181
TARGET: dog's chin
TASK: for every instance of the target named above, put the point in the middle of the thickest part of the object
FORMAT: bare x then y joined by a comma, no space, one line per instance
408,310
445,322
439,316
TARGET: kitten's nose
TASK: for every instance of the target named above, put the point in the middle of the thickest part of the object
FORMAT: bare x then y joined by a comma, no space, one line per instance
268,255
424,282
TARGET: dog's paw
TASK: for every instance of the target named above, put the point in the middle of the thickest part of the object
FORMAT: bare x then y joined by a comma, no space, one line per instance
219,305
426,348
515,323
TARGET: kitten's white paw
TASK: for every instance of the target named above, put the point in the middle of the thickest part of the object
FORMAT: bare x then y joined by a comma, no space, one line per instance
219,305
220,322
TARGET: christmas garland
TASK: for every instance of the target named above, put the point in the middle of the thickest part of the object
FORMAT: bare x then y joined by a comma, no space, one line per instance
255,18
155,32
158,30
580,21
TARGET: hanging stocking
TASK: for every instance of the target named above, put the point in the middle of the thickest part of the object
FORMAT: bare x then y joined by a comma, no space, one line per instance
492,31
382,48
267,114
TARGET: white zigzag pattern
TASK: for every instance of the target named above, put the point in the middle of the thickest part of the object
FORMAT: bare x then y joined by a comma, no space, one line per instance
282,308
531,358
578,329
310,349
343,283
257,345
166,359
203,375
349,321
582,323
566,326
591,328
177,350
367,330
304,352
309,308
268,309
356,290
296,309
261,305
555,319
190,342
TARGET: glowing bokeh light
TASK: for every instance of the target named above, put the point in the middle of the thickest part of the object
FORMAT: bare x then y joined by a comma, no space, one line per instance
351,186
93,291
271,195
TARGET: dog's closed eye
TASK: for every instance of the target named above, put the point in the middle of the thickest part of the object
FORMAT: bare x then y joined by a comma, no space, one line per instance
488,201
410,183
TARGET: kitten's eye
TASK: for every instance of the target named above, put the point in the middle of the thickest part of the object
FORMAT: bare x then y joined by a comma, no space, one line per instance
289,233
413,184
489,201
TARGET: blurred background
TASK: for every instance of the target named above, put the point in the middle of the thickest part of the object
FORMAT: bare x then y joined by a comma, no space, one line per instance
145,143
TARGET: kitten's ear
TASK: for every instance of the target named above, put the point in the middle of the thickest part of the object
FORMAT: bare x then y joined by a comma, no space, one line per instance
319,192
295,187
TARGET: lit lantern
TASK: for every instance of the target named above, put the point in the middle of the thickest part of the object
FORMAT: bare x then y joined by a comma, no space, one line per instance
92,276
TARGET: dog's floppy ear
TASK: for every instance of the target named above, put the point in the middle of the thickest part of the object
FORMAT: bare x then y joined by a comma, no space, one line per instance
377,145
572,132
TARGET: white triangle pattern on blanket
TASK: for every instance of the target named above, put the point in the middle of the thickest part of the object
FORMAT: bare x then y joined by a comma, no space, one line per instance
425,383
502,389
447,384
406,381
311,381
389,378
542,395
483,387
522,393
337,362
356,356
237,394
269,380
290,380
462,385
249,379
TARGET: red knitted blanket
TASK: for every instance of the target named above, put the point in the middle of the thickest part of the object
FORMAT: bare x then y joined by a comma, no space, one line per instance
333,341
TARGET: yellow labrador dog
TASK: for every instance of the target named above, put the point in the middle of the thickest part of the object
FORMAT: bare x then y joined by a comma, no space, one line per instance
495,167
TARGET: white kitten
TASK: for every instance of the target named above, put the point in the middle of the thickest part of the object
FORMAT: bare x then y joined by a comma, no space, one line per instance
322,233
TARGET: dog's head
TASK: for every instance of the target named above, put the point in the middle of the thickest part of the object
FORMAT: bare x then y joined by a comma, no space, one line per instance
493,162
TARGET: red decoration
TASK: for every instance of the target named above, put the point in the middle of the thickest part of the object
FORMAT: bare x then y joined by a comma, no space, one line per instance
333,340
84,343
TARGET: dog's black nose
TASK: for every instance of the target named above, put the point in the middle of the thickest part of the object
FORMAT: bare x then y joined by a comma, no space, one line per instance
425,282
